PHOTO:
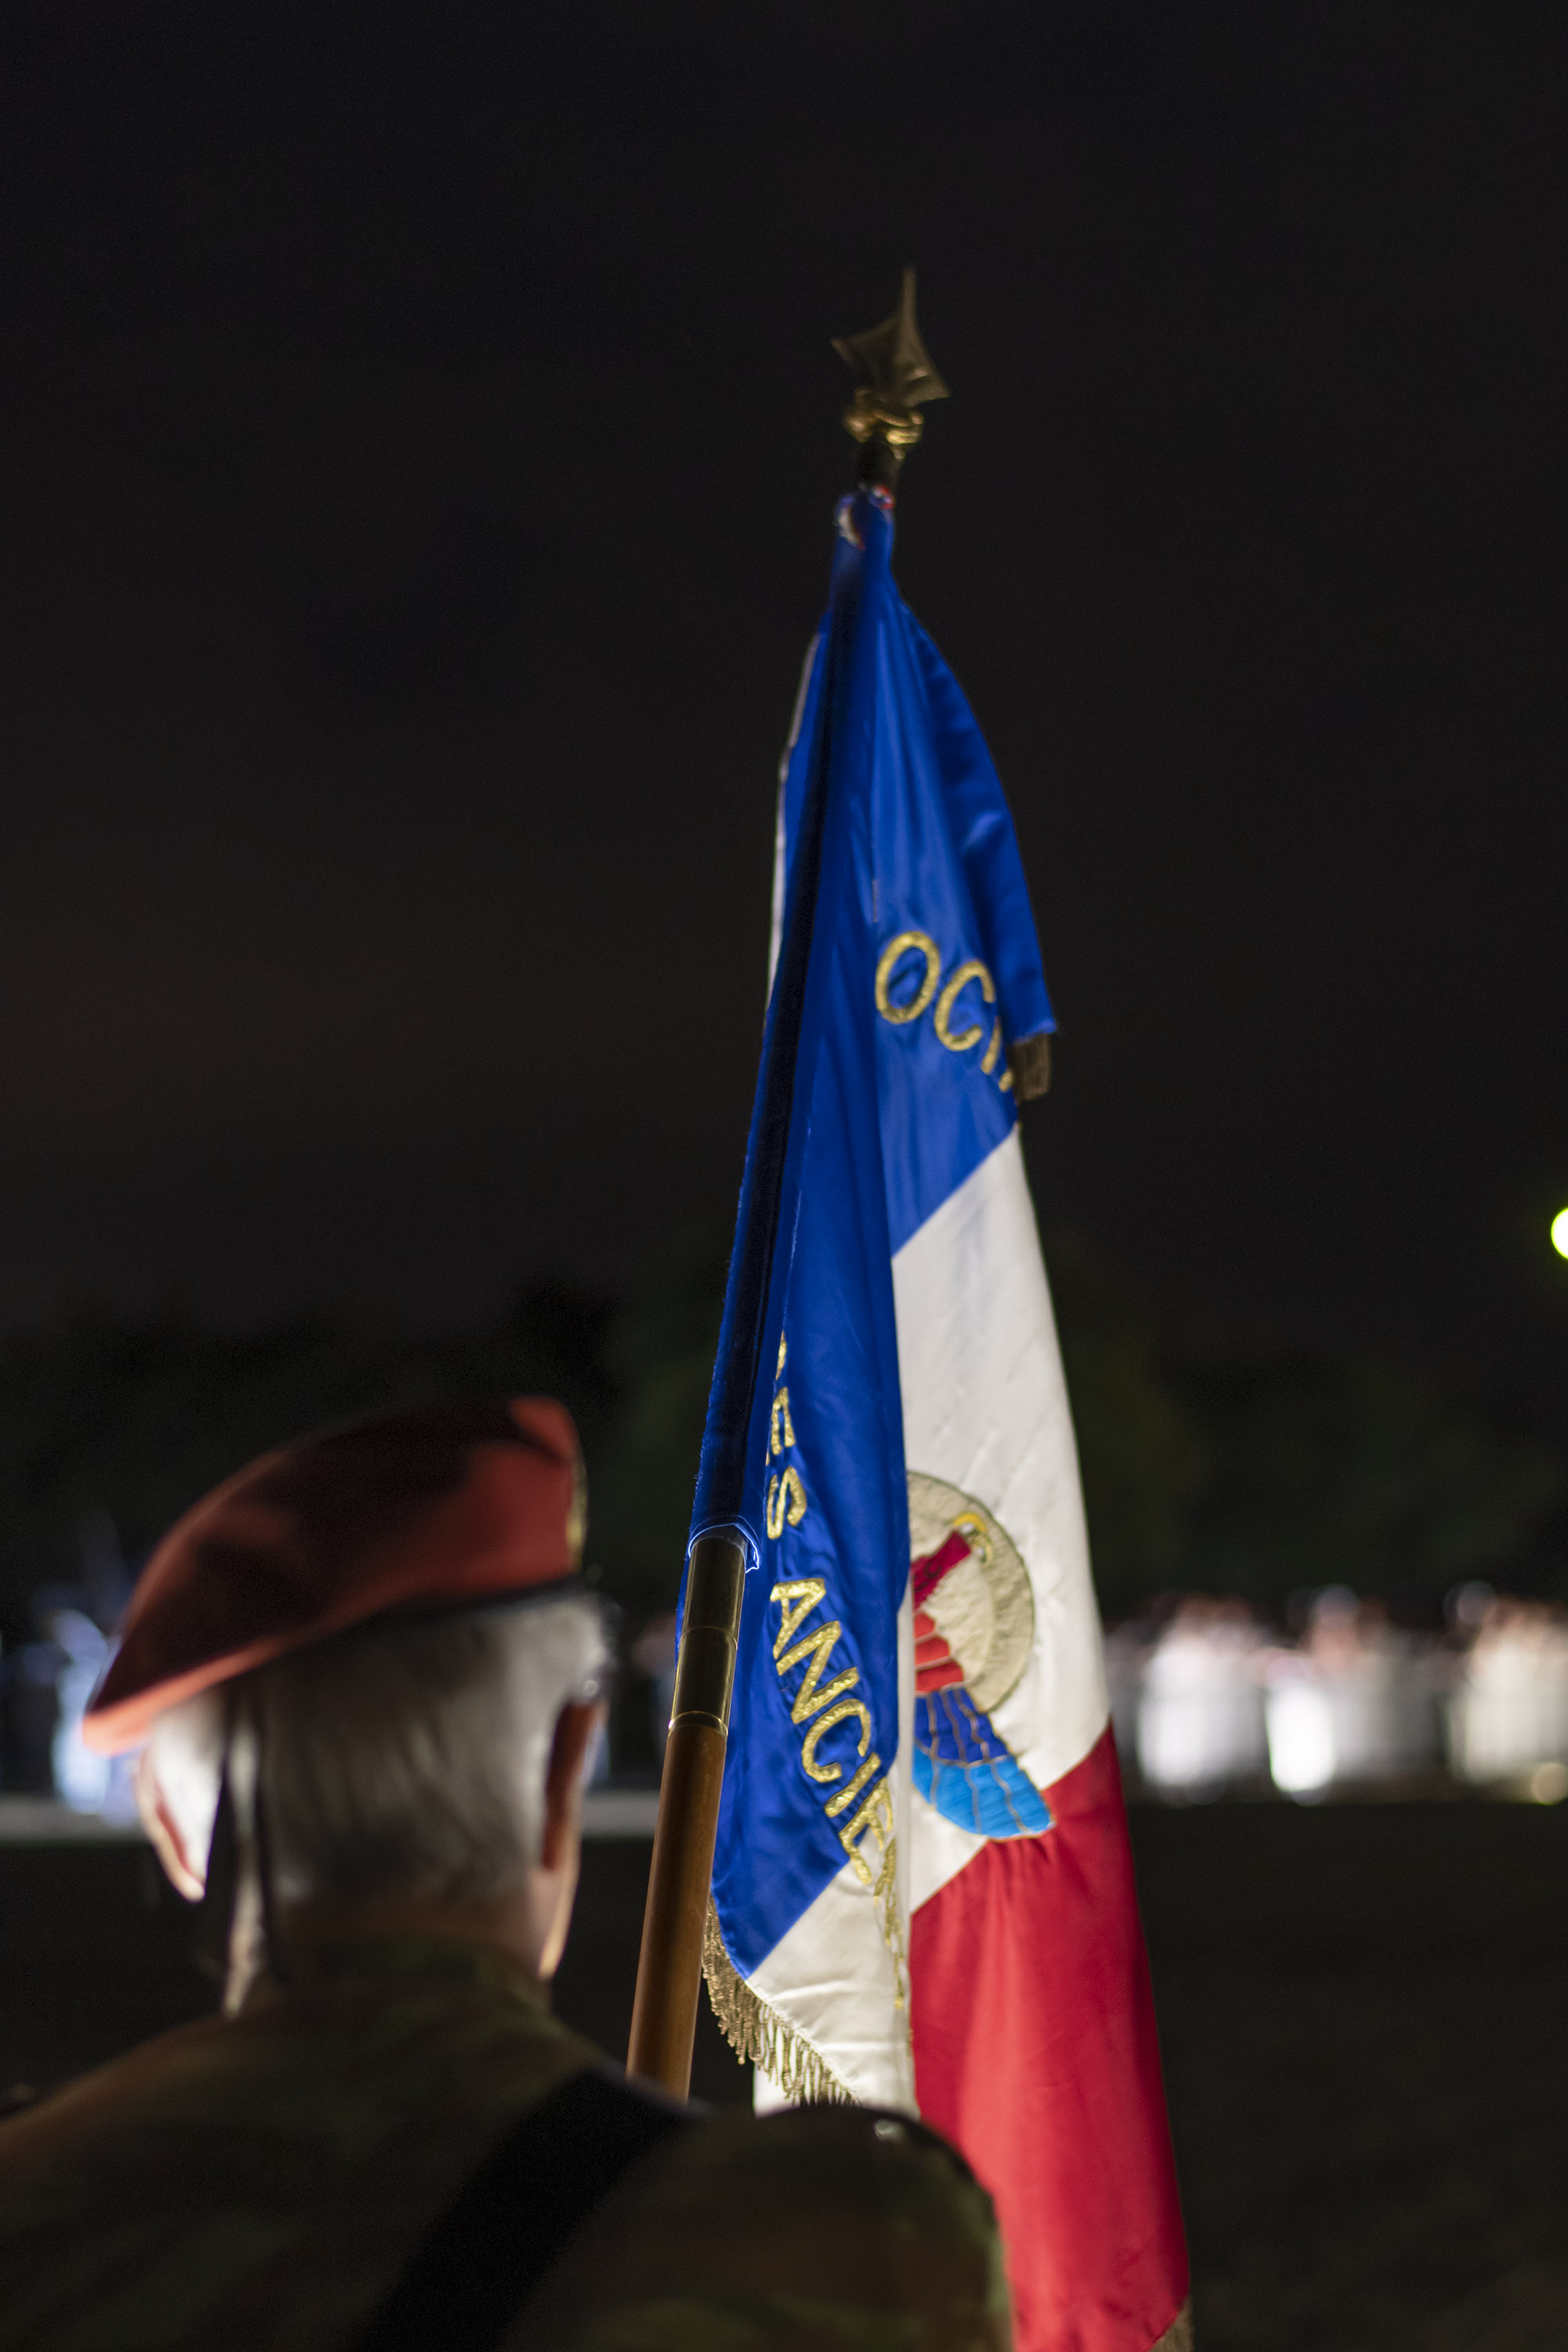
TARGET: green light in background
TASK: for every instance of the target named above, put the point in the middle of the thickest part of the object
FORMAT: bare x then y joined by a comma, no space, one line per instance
1560,1233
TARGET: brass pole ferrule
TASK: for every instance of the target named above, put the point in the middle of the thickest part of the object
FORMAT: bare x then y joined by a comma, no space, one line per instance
710,1630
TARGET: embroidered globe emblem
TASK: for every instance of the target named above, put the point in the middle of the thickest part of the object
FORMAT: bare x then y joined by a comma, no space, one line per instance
975,1627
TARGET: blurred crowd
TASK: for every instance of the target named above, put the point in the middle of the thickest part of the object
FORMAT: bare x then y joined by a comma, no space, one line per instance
1208,1700
45,1684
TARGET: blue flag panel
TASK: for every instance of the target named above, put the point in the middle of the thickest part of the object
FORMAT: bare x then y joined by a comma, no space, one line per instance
908,963
959,972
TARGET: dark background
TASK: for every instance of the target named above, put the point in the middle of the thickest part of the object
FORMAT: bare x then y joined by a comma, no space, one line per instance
418,436
419,433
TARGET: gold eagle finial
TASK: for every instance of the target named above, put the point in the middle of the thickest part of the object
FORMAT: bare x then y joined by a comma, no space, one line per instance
893,375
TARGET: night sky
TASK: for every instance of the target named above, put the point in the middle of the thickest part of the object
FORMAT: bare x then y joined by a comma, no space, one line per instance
419,439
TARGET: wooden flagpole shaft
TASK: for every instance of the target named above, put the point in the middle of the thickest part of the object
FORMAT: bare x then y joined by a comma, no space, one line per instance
669,1971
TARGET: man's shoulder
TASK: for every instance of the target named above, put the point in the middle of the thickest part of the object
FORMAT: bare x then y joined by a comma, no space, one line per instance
358,2052
877,2160
96,2102
822,2226
286,2157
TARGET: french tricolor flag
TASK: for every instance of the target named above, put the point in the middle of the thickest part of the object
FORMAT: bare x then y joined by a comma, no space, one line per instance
923,1888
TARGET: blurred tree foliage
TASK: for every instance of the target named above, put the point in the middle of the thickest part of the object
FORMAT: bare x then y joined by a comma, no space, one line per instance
1143,1452
1361,1472
641,1477
1241,1469
1209,1465
136,1422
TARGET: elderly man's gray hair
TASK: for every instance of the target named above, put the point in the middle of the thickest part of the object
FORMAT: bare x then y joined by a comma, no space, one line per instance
409,1759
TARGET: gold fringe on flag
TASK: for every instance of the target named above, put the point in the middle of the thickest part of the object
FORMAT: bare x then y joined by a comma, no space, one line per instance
757,2032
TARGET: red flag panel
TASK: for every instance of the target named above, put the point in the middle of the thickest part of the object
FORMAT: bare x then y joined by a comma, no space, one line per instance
1036,2052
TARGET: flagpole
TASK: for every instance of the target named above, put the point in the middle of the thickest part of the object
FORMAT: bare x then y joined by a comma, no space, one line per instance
669,1969
893,375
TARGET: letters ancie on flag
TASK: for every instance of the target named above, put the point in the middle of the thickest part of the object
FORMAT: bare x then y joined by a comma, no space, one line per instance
922,1894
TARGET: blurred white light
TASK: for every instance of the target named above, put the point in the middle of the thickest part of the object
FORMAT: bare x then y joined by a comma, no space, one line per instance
1549,1783
1200,1714
1560,1233
1301,1755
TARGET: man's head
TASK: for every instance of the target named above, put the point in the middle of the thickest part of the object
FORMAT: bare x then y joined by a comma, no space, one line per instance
380,1628
423,1775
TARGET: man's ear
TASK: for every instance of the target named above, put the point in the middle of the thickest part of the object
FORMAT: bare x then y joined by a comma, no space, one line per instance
576,1727
168,1841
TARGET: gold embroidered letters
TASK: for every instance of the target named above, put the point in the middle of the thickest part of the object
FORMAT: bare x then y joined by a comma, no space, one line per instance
957,1041
823,1701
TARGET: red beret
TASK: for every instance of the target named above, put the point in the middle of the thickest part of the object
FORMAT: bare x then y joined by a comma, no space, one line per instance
446,1505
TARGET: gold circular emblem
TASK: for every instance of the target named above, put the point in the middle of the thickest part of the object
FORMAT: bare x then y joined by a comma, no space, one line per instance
983,1607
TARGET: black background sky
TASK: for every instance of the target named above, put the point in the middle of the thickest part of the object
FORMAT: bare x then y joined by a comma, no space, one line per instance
418,435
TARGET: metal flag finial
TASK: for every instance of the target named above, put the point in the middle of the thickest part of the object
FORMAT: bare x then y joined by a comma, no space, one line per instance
893,375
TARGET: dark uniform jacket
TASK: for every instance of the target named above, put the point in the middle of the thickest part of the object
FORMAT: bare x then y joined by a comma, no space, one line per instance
258,2185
